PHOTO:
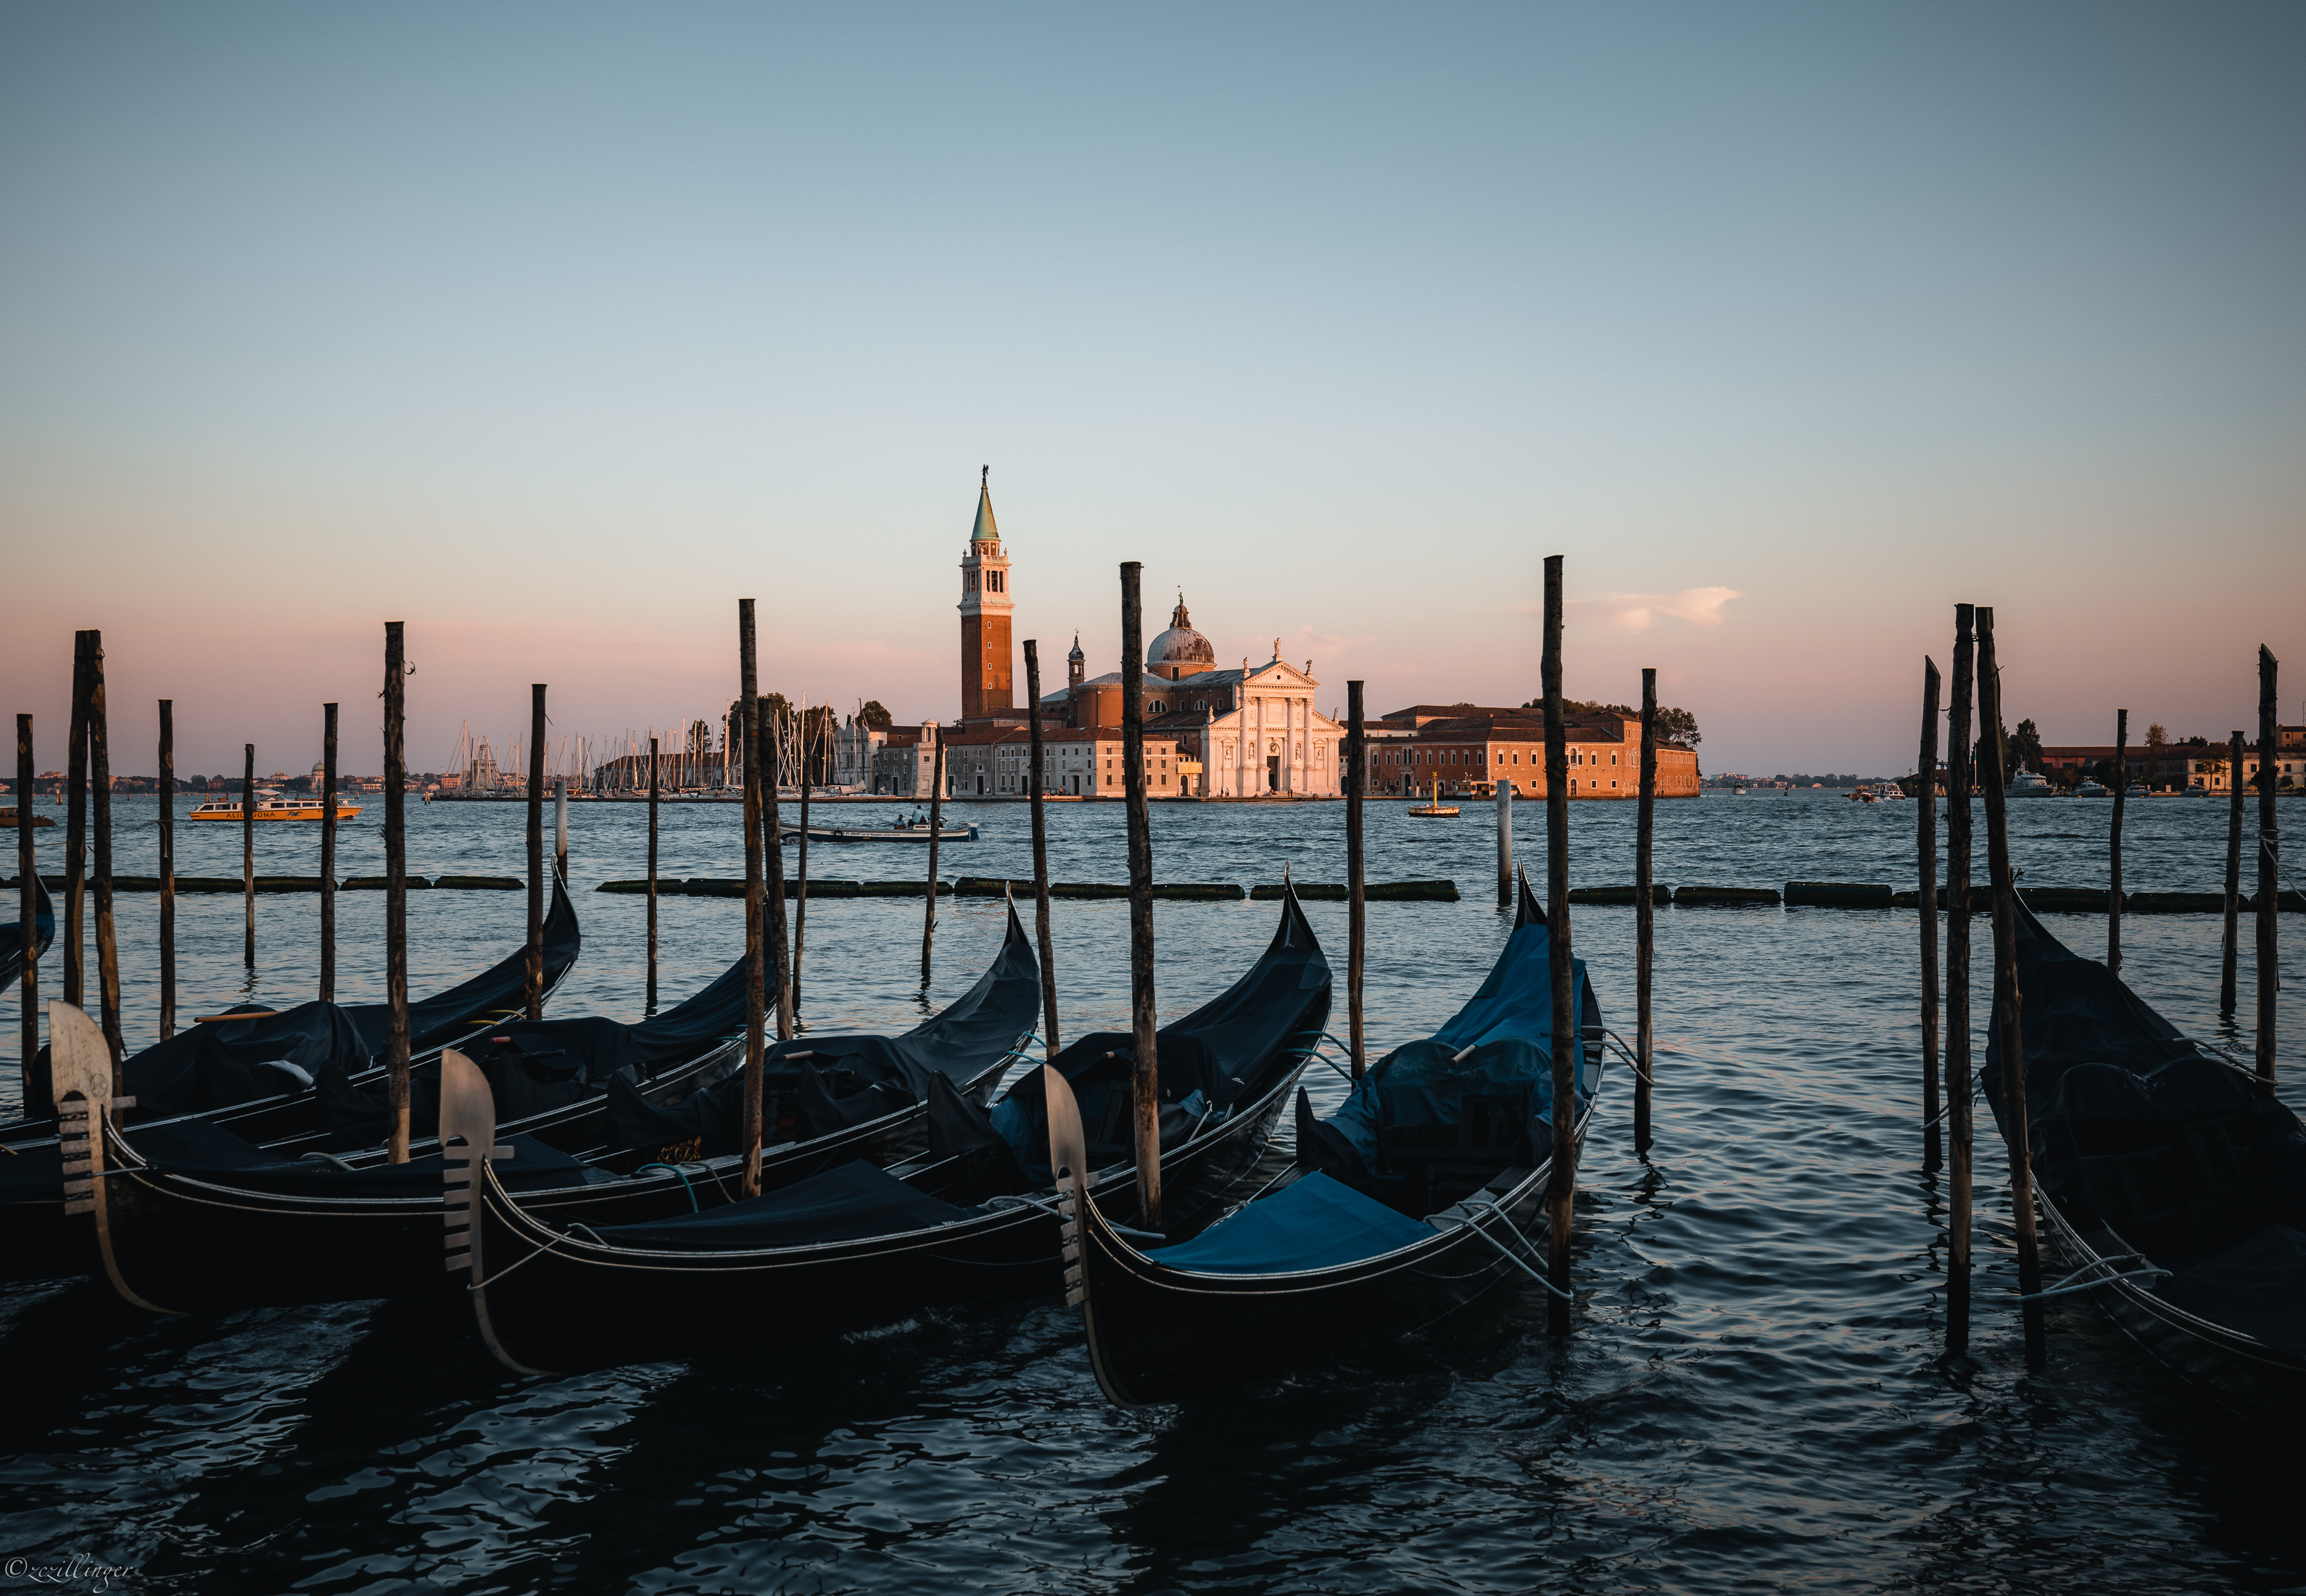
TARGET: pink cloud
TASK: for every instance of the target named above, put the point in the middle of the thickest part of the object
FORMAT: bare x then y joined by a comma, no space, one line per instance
1638,612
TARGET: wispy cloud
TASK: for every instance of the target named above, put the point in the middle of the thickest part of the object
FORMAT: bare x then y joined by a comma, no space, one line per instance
1638,612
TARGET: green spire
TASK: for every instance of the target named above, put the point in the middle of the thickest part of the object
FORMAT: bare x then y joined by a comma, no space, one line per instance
986,532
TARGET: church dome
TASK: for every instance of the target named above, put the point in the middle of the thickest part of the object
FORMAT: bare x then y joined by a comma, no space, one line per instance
1181,645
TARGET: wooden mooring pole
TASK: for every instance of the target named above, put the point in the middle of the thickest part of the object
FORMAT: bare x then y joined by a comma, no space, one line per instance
773,869
651,999
800,870
560,831
76,933
248,854
534,986
1145,1072
1035,780
1960,1083
328,853
168,869
1503,786
2113,838
748,1180
395,888
2269,859
36,1094
2008,1002
1561,1184
936,824
1925,858
99,782
1644,917
1356,894
2230,948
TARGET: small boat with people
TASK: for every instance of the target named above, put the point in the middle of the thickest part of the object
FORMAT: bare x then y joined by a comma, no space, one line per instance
1423,1192
906,828
2172,1183
273,807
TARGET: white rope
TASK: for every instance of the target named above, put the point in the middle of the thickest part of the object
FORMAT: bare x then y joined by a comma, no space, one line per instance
2075,1283
1474,1226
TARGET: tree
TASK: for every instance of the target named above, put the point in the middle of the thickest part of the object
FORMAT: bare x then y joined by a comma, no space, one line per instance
1674,725
875,716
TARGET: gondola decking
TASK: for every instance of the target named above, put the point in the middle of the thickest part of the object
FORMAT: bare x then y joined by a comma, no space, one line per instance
1313,1263
857,1246
2174,1185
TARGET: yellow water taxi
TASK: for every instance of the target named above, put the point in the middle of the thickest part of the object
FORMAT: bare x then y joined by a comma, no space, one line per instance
273,808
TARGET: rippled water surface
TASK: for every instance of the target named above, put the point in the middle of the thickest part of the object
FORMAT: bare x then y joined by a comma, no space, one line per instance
1754,1397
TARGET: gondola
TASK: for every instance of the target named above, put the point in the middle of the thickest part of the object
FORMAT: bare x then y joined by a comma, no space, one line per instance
254,1079
201,1221
11,935
1417,1195
858,1246
2171,1185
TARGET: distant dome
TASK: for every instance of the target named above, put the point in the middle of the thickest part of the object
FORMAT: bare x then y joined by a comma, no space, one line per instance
1181,644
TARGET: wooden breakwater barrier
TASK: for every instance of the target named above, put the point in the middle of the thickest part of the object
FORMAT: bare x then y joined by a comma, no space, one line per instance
295,883
1723,896
1620,895
1373,892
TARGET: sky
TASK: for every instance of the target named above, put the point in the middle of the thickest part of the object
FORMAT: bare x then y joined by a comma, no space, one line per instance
553,331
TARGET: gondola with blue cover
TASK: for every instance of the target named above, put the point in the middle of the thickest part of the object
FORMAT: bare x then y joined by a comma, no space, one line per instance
1414,1198
2172,1182
858,1246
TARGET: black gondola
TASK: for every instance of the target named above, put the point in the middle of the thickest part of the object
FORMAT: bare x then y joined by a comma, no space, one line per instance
11,935
205,1222
253,1079
1414,1198
858,1246
2173,1183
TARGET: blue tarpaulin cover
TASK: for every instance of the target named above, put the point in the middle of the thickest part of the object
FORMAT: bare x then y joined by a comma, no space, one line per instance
1315,1223
841,1205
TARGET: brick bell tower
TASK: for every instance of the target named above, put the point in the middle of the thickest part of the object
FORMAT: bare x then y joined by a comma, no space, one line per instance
986,680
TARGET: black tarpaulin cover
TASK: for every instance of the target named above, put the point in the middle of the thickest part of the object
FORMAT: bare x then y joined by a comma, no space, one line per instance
228,1062
1218,1052
11,935
2181,1154
535,1066
846,1204
846,1081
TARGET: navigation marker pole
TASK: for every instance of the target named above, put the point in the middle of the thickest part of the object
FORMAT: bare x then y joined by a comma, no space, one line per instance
1561,1183
1644,917
749,1178
1925,855
1356,894
1145,1072
1040,855
1959,1080
2008,1000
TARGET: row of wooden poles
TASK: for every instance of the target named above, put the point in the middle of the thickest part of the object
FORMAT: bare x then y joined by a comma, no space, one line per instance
1976,670
766,944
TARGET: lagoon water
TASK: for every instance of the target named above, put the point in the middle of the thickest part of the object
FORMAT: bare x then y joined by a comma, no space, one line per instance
1755,1398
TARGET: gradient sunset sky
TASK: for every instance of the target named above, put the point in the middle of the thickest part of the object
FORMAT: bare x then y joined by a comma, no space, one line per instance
554,329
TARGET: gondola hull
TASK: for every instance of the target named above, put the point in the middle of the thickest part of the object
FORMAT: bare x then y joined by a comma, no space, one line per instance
566,1304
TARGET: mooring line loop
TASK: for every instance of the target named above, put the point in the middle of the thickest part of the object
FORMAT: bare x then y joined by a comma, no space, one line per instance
2075,1283
1510,1256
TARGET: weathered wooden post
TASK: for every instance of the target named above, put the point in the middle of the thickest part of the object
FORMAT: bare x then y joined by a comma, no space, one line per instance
396,888
2230,948
800,870
37,1096
1356,890
1561,1184
328,853
2008,1002
749,1182
2269,858
652,877
560,831
75,937
2114,843
1502,785
1145,1072
168,869
936,824
1959,751
99,782
248,854
772,858
535,986
1644,917
1925,856
1040,854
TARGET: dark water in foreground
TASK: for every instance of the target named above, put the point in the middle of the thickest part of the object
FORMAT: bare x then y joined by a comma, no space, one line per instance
1755,1398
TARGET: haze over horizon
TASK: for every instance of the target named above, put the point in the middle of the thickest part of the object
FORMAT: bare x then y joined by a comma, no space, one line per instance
553,331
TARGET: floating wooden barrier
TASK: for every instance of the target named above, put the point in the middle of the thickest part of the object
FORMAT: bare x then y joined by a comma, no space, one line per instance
1724,897
1374,892
479,884
1838,894
1184,891
2174,903
367,884
1628,896
2083,901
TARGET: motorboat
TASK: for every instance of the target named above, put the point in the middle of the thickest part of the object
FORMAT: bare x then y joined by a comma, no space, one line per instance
2089,788
274,807
2028,783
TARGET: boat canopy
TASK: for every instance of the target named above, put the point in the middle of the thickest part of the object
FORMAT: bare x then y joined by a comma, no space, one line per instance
229,1062
1314,1223
847,1204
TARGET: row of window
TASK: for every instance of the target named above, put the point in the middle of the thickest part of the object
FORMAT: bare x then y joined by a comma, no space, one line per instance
1472,756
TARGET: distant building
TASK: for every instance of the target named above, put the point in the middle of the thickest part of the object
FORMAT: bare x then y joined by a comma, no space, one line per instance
1468,749
855,746
986,663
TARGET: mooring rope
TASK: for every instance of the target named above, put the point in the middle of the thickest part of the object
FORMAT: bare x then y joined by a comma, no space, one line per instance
683,1177
2074,1282
1511,1258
